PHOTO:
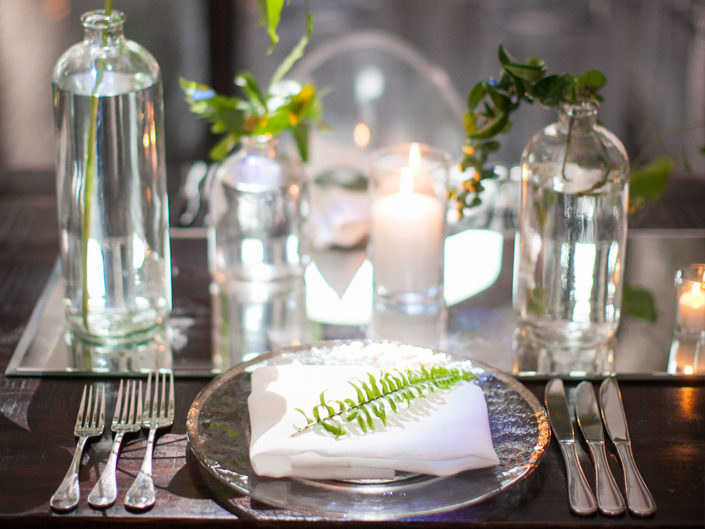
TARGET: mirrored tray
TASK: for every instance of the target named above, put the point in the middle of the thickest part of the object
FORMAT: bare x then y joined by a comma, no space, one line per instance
218,433
213,329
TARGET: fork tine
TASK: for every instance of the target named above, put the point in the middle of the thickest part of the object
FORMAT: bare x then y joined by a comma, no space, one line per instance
79,416
155,396
118,405
171,395
92,416
148,397
162,405
130,402
138,418
101,417
155,403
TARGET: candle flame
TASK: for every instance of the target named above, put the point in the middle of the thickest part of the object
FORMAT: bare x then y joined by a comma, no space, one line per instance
361,135
688,370
695,289
406,181
414,157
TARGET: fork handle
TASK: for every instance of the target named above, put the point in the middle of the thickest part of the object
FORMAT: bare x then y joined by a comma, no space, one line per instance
141,494
104,492
66,496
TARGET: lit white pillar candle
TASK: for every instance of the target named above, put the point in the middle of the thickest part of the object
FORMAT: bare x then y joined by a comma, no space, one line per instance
407,237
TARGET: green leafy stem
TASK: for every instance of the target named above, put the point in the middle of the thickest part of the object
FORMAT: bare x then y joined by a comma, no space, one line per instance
285,105
377,396
491,103
90,173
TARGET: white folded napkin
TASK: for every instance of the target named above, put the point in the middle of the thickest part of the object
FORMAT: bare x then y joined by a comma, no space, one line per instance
442,434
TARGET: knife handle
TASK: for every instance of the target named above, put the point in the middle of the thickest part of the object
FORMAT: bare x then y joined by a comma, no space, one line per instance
582,500
609,498
639,499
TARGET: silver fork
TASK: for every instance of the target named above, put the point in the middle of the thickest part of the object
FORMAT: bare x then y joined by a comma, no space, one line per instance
127,417
158,413
88,424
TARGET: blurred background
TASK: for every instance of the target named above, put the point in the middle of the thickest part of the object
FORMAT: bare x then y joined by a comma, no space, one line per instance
404,65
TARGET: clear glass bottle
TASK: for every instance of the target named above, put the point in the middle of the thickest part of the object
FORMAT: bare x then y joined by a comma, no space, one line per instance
569,254
111,185
258,204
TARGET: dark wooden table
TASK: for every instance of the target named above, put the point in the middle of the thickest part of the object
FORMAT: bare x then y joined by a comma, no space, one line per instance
667,418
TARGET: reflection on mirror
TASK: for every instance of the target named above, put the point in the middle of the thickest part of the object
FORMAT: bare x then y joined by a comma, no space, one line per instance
253,317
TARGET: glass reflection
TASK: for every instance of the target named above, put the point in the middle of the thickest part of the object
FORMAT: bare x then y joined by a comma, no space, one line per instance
426,329
151,355
250,318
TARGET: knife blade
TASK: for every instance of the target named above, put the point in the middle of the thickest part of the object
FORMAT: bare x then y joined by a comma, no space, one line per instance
582,500
639,499
609,499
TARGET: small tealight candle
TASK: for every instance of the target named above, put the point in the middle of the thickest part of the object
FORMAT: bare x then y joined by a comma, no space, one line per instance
692,308
407,223
690,282
687,355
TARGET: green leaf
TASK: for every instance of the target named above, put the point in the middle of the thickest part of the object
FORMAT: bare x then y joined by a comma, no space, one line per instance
333,428
649,181
221,149
550,90
301,135
524,72
504,57
592,80
358,391
247,82
491,127
295,54
639,302
500,101
270,14
476,94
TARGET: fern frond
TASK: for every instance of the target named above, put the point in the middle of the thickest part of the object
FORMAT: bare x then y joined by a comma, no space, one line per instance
379,395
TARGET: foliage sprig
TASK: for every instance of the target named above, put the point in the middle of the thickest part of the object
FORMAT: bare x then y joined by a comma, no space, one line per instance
377,396
91,170
491,103
285,105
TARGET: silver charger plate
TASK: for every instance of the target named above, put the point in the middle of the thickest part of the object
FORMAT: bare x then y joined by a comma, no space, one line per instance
218,429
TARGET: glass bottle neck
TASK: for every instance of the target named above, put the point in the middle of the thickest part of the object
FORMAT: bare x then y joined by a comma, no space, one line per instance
261,145
104,30
578,115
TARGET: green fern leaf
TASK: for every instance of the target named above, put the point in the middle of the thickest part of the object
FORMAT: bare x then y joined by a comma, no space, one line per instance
377,396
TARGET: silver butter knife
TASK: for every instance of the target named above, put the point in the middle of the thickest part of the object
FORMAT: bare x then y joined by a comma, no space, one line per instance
582,500
639,499
609,499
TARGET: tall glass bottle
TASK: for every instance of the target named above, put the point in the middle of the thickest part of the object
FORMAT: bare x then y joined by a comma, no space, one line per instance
569,256
111,185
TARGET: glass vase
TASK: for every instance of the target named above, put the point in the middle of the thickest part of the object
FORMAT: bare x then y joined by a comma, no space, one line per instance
570,244
111,185
258,203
